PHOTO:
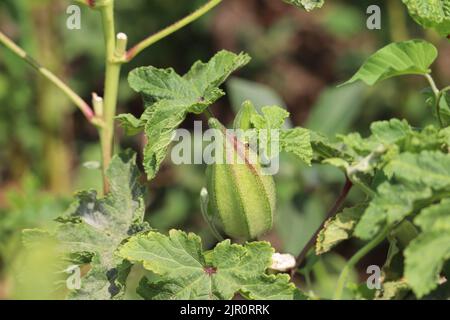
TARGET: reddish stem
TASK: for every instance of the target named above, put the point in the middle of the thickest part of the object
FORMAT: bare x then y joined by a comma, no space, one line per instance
331,213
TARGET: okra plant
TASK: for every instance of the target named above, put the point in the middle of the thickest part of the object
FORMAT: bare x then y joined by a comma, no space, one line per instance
402,171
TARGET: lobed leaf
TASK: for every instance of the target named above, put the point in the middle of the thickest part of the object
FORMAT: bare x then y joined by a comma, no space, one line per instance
435,217
92,229
429,168
169,97
184,271
391,204
296,140
272,117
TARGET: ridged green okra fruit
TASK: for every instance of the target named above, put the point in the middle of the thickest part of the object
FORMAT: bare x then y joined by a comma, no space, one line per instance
239,193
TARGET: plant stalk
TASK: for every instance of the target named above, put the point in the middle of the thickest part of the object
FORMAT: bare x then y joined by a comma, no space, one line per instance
112,76
75,98
331,213
355,259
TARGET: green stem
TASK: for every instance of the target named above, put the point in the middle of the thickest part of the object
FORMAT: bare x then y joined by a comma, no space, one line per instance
438,95
447,88
432,84
355,259
133,52
75,98
111,88
364,187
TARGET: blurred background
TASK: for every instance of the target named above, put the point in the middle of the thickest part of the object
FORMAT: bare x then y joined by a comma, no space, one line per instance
48,151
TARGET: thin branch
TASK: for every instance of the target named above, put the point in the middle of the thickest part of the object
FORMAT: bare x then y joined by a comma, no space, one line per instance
355,259
133,52
331,213
432,84
76,99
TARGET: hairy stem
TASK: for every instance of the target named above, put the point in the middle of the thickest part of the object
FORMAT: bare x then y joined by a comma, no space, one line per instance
432,84
133,52
355,259
76,99
112,76
331,213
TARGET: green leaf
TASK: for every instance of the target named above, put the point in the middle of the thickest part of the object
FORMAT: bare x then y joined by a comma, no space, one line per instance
186,272
444,105
401,58
431,14
98,226
425,256
169,97
130,124
308,5
390,132
430,168
435,217
323,148
338,228
296,141
395,135
424,259
393,290
272,117
384,133
390,205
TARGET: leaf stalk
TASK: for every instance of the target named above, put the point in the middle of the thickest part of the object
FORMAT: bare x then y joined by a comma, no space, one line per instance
355,259
75,98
